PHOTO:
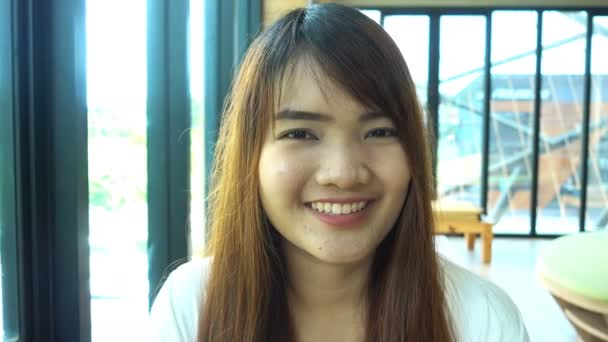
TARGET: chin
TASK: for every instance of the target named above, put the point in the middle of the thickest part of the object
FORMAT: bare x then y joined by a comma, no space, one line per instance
343,257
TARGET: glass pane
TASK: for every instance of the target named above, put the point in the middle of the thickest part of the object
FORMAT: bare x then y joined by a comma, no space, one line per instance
9,300
461,93
4,337
197,134
116,86
2,167
4,10
511,120
559,162
4,45
414,47
1,294
9,323
597,186
9,318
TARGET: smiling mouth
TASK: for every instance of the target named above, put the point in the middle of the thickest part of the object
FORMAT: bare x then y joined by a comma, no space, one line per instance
338,209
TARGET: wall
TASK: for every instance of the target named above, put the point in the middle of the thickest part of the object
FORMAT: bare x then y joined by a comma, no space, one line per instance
273,9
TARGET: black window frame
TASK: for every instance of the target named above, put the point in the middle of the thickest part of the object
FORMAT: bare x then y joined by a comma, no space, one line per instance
50,169
434,14
44,193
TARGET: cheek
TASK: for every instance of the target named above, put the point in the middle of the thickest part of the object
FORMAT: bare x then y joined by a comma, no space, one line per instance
282,173
285,167
391,168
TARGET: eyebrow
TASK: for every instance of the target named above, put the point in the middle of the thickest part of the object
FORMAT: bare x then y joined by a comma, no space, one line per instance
289,114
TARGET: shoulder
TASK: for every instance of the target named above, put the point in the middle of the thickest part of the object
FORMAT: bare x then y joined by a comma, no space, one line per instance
481,311
174,314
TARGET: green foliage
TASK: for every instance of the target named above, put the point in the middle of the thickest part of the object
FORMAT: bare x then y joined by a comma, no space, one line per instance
102,193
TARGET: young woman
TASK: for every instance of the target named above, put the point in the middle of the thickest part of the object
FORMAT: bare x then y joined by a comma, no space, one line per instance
320,214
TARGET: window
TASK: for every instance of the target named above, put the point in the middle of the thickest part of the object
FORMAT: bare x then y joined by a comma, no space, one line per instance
197,133
597,184
559,161
124,250
511,115
9,313
116,85
460,106
511,120
372,14
414,47
8,259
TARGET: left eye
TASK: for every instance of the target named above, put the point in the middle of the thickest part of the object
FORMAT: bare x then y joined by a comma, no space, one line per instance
381,133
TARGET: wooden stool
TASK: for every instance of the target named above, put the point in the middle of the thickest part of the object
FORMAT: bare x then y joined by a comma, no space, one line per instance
453,217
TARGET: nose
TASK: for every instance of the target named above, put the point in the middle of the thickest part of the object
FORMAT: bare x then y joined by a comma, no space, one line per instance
343,166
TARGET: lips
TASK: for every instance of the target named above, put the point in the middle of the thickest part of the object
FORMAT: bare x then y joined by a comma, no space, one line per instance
342,213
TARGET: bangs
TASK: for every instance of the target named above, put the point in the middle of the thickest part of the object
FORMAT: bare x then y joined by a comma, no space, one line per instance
350,51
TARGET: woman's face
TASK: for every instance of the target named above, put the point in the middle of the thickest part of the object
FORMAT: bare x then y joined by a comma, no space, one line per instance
333,174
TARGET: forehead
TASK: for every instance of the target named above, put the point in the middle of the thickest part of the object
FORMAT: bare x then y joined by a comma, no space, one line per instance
305,86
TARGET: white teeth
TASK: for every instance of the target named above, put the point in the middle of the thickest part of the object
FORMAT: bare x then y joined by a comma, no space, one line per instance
338,208
346,209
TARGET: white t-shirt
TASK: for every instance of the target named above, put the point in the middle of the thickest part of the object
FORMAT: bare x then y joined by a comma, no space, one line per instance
482,311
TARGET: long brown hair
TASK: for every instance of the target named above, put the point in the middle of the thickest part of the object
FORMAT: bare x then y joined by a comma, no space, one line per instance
246,293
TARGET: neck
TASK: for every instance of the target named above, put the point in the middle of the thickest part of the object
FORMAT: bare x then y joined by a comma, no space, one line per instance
317,286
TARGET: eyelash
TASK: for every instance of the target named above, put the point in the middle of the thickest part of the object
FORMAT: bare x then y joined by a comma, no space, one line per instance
291,135
388,133
300,134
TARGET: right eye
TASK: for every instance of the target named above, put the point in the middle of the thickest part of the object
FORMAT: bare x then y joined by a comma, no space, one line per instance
298,134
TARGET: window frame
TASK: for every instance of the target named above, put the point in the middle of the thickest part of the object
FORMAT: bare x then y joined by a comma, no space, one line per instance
47,186
8,218
51,190
434,14
168,144
229,28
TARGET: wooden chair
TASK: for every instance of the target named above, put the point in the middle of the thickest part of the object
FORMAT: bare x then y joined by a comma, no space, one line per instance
455,217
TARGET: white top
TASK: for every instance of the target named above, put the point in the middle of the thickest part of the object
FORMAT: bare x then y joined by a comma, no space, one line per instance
483,312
